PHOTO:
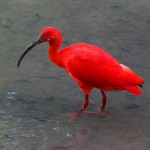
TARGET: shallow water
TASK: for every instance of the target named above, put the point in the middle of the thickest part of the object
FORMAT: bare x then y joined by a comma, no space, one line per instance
32,95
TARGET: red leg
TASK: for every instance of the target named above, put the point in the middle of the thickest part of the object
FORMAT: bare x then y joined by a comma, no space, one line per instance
74,115
85,104
103,101
102,109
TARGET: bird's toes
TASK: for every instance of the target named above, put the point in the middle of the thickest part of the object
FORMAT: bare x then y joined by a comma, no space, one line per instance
71,116
101,112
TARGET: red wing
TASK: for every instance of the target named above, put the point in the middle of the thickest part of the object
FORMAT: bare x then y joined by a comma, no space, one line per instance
95,68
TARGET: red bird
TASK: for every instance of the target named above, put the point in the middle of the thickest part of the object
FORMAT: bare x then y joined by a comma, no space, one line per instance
90,66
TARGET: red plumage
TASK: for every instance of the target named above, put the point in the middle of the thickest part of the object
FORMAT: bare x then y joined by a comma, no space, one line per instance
92,67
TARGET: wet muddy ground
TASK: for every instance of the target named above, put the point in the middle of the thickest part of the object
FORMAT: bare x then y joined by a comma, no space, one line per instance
32,95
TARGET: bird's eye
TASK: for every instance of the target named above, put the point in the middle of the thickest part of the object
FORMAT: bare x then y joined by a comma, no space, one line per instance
44,35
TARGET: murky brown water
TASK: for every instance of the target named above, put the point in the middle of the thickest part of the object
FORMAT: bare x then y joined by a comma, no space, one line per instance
30,96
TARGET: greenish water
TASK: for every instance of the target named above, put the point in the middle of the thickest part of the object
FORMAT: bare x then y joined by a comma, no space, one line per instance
32,95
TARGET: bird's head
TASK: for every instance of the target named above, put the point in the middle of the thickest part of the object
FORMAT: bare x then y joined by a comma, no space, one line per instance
48,34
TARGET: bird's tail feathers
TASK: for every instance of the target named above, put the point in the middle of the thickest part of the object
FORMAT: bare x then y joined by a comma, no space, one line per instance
132,89
131,77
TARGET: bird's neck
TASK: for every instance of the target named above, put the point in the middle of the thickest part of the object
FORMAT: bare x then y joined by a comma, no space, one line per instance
53,52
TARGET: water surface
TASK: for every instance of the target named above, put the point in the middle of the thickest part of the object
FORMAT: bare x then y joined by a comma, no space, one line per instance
32,95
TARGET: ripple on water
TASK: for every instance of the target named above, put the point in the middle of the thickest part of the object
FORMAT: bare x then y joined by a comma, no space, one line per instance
131,106
11,94
56,129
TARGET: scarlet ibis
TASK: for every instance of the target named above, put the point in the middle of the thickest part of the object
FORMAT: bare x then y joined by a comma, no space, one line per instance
90,66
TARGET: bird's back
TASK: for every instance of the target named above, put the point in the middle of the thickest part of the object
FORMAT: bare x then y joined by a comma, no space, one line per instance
92,66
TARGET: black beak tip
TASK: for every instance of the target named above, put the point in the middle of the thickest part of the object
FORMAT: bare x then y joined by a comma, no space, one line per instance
19,61
18,65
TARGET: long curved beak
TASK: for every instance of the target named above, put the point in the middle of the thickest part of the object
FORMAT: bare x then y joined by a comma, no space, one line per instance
36,42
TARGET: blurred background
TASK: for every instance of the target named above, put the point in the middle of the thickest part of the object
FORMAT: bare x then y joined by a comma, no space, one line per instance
31,95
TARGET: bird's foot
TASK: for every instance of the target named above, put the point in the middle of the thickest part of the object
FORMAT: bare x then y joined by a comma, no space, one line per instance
71,116
99,112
